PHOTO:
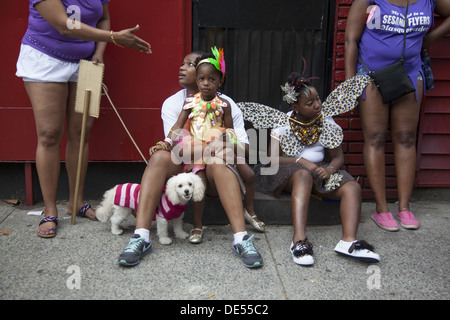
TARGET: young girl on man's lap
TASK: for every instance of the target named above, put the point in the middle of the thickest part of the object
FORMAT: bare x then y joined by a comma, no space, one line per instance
203,119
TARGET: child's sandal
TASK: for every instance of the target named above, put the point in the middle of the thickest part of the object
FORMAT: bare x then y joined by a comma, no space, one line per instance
258,225
195,237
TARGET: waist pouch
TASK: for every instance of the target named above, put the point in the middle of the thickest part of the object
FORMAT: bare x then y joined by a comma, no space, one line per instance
392,81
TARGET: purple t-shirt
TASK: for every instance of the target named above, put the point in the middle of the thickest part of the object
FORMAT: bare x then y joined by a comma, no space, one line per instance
381,42
43,37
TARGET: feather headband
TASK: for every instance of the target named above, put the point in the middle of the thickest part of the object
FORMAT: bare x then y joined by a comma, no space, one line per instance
218,61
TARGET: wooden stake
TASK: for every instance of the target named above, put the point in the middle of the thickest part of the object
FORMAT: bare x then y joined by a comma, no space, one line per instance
87,98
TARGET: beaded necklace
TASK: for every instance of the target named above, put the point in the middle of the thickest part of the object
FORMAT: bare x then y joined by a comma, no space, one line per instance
307,133
201,109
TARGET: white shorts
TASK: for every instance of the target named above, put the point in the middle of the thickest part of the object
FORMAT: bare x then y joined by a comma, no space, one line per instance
36,66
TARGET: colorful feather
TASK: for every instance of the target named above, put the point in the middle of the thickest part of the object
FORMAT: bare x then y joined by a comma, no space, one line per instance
219,61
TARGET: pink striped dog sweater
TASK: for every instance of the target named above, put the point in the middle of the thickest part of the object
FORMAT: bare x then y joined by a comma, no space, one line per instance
127,195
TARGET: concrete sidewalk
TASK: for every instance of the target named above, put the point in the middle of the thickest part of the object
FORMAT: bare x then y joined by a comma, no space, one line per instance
81,262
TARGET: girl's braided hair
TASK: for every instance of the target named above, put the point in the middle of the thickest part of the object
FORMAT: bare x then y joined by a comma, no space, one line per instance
300,84
297,85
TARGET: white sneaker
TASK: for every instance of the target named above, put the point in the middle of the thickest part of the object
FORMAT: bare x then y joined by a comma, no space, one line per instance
302,252
359,250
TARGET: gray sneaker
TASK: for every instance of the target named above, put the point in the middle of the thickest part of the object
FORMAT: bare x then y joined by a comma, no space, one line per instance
136,248
247,251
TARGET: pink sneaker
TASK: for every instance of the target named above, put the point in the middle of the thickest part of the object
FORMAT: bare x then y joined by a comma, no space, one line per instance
385,220
407,219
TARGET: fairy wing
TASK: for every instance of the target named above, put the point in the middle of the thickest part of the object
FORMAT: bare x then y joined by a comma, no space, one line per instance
262,116
290,145
344,97
265,117
332,135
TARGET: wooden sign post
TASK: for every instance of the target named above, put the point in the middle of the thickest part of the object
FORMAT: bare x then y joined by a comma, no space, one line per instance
90,77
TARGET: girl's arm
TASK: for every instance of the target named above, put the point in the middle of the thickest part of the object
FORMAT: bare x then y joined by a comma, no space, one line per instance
356,21
228,119
55,14
305,162
275,145
179,124
105,24
173,134
240,149
443,9
337,160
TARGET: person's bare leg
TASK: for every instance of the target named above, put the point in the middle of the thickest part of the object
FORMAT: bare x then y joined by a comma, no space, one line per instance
350,208
159,169
198,209
248,176
300,186
48,101
405,113
223,182
374,120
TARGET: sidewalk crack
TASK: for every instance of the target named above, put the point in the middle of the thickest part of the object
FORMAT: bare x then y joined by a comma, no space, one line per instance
283,288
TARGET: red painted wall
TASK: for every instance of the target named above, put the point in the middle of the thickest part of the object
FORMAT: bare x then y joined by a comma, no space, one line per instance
138,83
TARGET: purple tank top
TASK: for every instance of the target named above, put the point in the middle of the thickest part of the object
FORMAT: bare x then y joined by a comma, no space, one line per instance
43,37
381,42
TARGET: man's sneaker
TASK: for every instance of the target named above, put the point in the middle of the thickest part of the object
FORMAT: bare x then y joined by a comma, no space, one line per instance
385,221
136,248
302,252
247,251
359,250
407,219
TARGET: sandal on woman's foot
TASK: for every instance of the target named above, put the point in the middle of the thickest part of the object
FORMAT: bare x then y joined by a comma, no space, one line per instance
258,225
195,237
52,231
84,209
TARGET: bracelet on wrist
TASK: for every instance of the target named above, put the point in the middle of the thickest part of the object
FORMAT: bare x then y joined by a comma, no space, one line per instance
164,145
169,141
114,40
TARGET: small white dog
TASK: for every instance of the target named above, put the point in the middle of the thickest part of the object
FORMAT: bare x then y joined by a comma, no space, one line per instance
119,202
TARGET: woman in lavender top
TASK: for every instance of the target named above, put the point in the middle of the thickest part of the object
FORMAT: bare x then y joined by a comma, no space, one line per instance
375,31
59,34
